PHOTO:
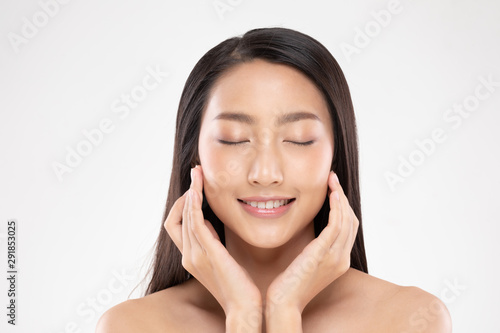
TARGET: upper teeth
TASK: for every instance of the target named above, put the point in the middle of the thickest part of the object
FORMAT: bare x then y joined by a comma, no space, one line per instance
267,204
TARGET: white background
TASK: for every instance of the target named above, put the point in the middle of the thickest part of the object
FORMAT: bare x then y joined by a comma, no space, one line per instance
84,242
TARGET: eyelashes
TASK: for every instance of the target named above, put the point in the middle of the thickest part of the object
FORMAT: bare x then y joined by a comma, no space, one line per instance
307,143
231,143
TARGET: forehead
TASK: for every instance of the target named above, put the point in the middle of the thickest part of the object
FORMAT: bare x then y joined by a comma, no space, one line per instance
266,92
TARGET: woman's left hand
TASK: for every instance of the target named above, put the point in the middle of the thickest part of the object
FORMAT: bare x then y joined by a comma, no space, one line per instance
321,262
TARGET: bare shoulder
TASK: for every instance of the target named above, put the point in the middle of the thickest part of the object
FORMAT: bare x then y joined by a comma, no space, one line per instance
136,315
406,309
174,309
120,318
420,311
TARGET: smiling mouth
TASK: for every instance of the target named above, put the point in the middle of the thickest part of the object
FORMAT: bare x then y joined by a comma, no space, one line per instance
271,204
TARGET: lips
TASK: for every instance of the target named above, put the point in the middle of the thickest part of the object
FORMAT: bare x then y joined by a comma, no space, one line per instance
268,204
267,207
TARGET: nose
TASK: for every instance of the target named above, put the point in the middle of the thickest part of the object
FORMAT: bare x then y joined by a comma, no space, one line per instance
266,167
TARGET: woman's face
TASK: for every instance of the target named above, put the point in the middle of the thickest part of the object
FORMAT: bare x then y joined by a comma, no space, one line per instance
266,140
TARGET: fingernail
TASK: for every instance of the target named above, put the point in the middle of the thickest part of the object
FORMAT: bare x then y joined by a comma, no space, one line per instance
192,174
337,195
336,178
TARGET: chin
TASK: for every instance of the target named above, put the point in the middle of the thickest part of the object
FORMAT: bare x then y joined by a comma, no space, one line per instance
266,242
268,235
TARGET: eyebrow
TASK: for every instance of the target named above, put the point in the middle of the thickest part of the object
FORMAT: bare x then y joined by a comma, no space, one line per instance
280,121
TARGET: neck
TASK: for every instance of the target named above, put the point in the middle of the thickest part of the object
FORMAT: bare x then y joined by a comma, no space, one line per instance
265,264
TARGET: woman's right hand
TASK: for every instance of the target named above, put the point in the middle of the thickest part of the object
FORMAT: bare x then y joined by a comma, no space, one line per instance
204,256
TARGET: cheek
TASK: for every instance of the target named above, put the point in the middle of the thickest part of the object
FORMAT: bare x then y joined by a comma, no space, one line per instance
220,169
314,164
312,171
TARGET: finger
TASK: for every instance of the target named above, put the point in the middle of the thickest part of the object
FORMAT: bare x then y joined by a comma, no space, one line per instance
186,242
193,216
347,221
194,224
198,222
331,231
197,184
336,221
352,235
195,213
343,238
202,229
334,182
173,222
329,189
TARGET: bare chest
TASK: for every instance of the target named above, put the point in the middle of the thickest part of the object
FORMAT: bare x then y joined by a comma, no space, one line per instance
322,321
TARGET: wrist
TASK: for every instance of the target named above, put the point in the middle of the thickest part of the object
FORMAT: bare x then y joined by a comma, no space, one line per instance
283,318
244,319
282,304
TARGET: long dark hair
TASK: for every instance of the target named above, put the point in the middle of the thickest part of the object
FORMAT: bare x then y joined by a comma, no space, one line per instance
276,45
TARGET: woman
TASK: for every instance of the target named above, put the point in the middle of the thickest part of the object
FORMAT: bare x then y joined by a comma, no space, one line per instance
262,227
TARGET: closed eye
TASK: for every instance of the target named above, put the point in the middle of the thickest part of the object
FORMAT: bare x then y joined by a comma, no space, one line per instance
307,143
231,143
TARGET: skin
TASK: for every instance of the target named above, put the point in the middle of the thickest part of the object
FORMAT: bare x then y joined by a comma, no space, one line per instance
273,275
